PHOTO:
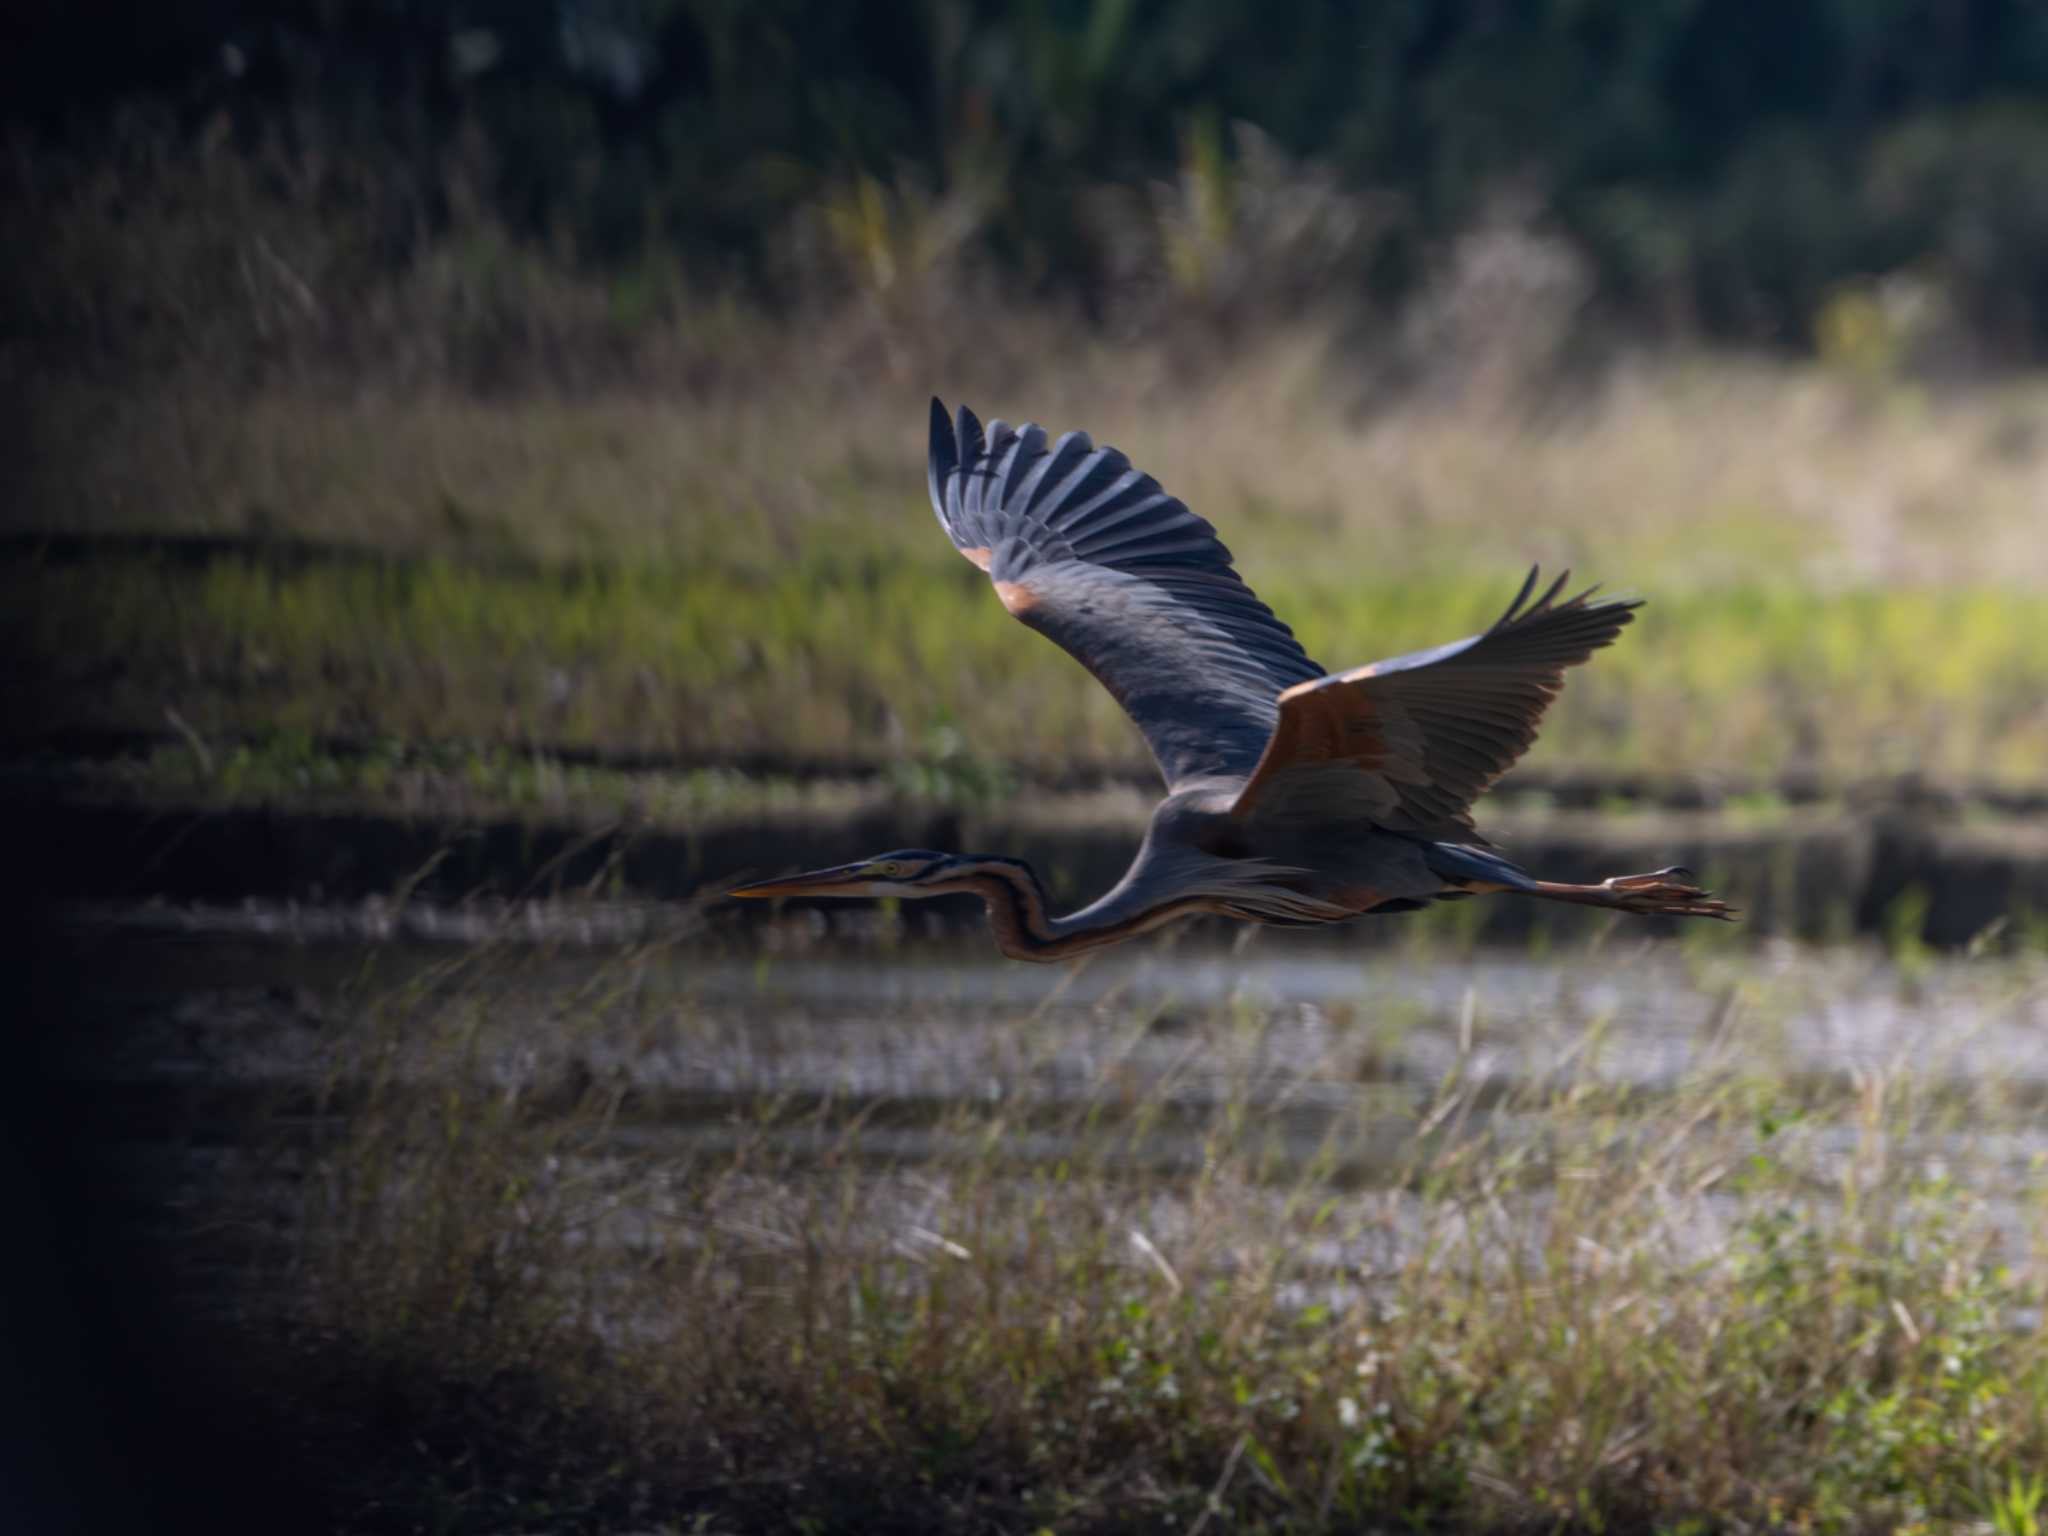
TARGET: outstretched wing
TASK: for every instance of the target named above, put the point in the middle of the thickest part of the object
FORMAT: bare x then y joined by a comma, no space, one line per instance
1093,555
1411,742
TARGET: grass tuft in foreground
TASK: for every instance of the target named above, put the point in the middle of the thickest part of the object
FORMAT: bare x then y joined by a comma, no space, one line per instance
1194,1294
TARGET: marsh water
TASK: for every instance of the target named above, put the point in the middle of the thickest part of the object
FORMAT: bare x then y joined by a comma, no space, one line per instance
206,1068
946,1019
174,1033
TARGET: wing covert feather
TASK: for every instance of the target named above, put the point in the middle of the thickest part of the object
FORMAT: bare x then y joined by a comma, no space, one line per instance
1409,743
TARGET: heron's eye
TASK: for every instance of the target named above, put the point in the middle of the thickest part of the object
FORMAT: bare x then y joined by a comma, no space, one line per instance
890,868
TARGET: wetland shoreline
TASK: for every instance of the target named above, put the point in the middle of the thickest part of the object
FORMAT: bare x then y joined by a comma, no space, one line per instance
1901,865
516,1236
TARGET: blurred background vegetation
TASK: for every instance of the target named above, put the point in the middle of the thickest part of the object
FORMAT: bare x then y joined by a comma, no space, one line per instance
552,375
1700,169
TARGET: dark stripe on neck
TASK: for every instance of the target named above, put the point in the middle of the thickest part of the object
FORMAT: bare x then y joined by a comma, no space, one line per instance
1010,889
1016,906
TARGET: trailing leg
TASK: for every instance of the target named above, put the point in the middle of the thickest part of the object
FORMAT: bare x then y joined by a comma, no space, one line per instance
1469,870
1661,893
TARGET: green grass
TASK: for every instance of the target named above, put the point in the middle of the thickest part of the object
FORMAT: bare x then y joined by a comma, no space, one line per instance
865,660
1736,1301
1838,582
467,783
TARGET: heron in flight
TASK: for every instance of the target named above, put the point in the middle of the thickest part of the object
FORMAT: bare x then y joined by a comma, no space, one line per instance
1293,796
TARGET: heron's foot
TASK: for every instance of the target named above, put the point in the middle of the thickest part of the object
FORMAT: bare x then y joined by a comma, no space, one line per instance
1665,893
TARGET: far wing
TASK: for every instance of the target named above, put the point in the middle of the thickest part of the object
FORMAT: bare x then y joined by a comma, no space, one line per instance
1095,556
1411,742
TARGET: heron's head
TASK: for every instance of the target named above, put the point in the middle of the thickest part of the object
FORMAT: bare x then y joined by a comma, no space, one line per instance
907,872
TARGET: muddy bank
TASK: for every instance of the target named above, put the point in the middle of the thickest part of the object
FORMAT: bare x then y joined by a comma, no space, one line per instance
1820,875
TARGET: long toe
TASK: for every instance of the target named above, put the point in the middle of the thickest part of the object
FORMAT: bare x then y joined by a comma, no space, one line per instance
1656,896
1704,906
1689,902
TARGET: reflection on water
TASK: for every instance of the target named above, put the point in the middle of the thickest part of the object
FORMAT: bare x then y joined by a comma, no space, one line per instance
947,1022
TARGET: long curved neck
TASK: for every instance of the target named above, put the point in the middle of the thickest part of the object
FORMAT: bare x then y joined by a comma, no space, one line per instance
1010,889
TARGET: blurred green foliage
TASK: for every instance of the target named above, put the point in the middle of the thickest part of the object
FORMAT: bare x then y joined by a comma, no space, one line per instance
891,663
591,341
1721,167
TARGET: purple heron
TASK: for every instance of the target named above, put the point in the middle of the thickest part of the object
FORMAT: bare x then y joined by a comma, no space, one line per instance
1294,796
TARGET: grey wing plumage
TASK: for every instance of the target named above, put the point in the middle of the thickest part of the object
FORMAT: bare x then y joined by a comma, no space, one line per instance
1095,556
1409,743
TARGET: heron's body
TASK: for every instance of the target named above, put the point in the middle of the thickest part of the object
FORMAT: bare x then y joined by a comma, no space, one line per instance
1293,796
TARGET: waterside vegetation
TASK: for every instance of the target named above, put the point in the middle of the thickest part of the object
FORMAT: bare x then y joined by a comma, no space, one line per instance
1297,1271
